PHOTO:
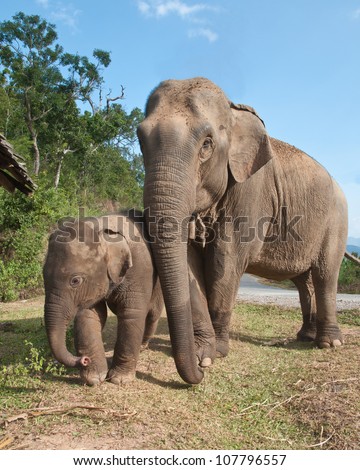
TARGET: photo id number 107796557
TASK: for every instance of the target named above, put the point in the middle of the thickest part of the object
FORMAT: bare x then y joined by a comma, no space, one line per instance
250,459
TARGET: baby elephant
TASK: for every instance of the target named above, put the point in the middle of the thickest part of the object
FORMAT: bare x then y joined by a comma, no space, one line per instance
91,263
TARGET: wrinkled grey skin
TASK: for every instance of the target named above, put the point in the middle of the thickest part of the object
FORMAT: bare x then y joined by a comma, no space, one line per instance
108,263
131,295
272,211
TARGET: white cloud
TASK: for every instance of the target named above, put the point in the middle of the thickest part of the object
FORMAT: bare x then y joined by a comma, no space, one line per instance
163,8
180,8
207,33
59,11
356,14
43,3
144,7
67,14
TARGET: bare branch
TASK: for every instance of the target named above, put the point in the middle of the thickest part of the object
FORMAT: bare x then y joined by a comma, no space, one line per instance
320,444
42,115
35,412
110,100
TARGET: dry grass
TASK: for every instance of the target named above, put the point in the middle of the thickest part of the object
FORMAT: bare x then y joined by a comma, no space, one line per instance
271,392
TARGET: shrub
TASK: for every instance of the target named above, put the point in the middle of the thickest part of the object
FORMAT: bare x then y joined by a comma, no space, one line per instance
349,277
24,226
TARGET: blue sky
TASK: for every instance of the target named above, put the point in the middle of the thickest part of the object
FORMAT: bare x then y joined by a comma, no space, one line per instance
297,62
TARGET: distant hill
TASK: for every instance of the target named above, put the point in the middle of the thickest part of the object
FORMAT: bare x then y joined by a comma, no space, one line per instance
353,245
353,248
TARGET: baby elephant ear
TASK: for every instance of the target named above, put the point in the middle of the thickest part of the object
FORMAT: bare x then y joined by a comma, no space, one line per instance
118,255
250,147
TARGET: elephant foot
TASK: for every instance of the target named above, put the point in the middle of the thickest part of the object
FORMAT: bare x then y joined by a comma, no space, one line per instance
222,348
306,334
205,352
206,362
329,343
92,378
120,378
329,336
144,345
222,340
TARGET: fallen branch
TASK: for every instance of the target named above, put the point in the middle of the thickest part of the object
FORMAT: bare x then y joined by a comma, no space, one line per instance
243,411
35,412
351,379
6,442
352,258
320,444
264,404
275,439
279,403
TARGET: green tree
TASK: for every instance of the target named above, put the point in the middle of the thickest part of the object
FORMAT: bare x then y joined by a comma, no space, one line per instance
31,60
41,87
349,277
85,79
82,158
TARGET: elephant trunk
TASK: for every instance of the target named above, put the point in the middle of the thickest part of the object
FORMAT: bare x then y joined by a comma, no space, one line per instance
167,219
56,322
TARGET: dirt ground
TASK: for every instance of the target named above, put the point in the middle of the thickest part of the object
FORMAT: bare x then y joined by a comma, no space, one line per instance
271,392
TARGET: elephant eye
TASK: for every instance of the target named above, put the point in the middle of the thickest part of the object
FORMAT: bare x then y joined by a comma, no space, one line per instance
76,281
207,142
207,149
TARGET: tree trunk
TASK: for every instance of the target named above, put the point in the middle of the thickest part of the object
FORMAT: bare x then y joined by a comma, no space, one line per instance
30,125
58,171
36,155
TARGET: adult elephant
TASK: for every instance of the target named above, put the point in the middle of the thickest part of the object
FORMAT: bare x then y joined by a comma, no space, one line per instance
273,211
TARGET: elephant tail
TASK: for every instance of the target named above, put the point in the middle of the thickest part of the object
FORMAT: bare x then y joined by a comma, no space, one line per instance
352,258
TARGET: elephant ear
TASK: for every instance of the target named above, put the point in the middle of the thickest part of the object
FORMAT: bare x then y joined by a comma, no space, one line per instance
250,147
118,254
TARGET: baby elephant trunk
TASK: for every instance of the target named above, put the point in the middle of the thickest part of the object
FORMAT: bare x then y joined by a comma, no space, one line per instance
56,324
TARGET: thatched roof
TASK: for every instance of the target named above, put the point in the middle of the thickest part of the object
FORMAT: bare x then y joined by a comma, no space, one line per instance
13,172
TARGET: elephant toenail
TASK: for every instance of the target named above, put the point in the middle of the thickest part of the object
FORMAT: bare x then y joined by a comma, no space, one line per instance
206,362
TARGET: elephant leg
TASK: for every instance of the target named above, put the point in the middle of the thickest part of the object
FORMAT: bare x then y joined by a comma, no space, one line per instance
131,325
152,318
220,311
151,323
306,290
328,333
88,326
204,334
222,284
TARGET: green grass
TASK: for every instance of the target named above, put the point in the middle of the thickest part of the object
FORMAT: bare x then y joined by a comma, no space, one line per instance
271,392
